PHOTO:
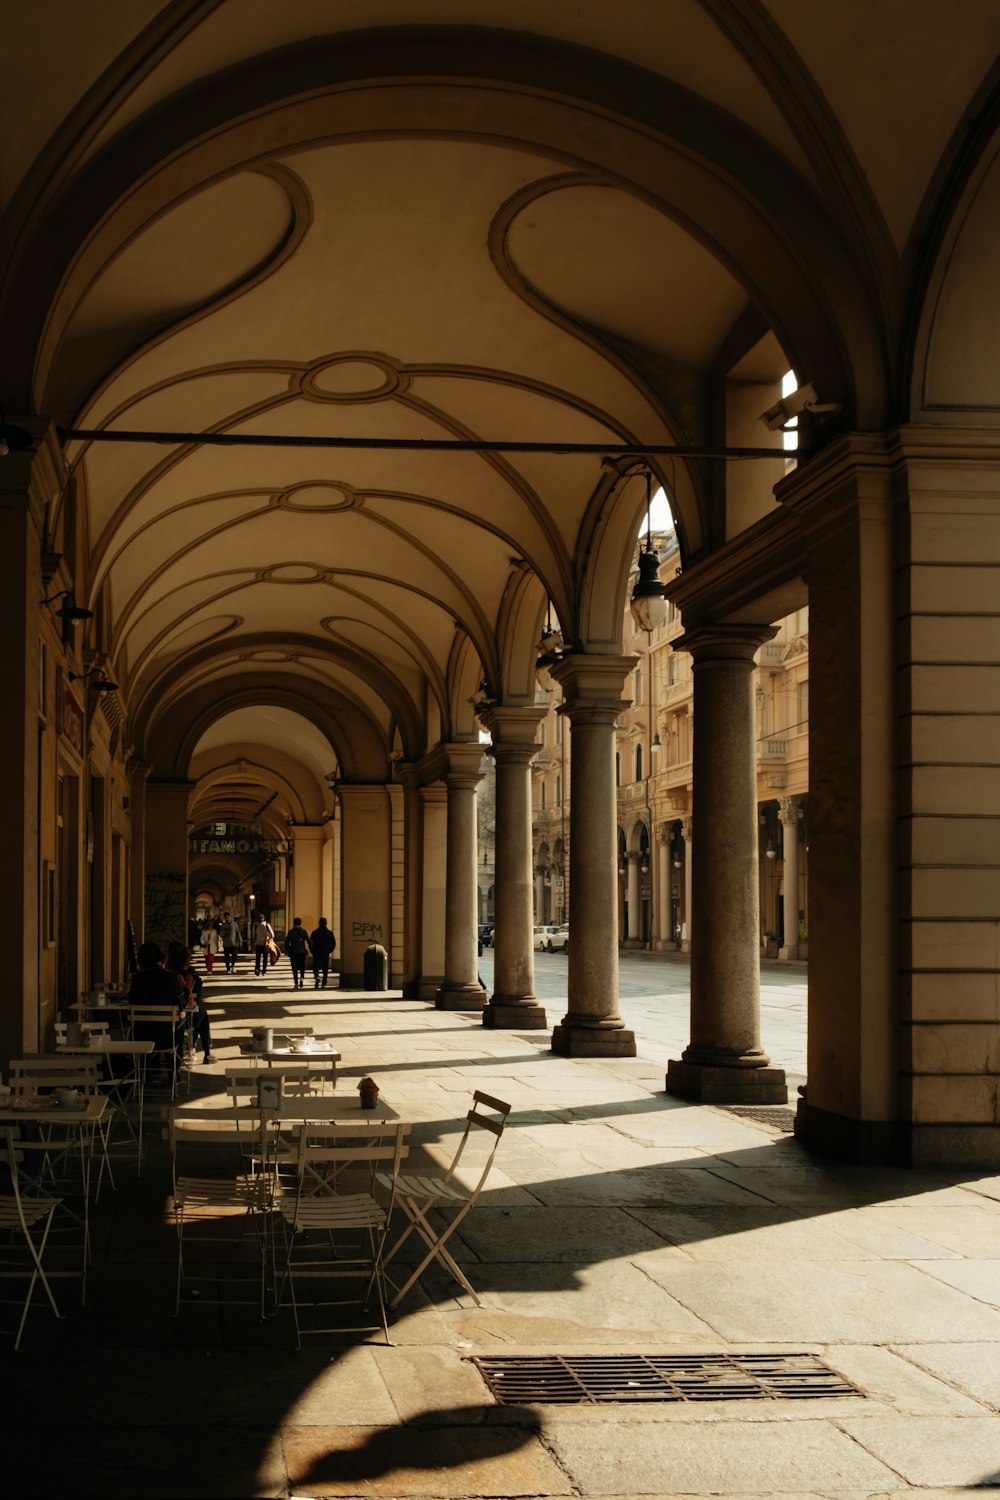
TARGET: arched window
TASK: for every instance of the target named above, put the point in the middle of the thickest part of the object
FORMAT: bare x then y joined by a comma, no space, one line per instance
638,762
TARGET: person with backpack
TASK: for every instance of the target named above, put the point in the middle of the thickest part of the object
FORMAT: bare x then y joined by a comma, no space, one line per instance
322,942
298,950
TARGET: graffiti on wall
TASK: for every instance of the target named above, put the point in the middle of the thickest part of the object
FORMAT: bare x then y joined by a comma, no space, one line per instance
166,906
367,932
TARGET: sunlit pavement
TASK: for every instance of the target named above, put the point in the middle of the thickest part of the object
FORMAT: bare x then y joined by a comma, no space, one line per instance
616,1221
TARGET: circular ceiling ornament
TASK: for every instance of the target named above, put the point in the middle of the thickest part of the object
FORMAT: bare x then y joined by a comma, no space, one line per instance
324,495
292,572
355,376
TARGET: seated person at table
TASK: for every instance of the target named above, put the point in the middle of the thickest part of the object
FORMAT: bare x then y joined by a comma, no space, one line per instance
153,985
177,963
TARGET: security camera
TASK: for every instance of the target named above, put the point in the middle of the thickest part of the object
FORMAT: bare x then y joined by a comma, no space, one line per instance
804,399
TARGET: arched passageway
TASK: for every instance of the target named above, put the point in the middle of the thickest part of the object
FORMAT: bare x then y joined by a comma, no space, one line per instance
613,241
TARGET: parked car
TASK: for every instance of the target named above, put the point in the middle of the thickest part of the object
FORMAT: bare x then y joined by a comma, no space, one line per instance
559,938
486,934
543,936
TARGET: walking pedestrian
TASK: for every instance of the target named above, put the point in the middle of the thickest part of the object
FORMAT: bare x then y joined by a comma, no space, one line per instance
322,942
232,941
211,943
263,933
298,950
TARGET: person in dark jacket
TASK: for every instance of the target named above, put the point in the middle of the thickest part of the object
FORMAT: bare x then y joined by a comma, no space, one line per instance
297,948
152,984
177,963
322,942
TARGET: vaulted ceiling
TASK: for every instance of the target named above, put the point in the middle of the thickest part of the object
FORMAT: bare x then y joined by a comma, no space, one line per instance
543,222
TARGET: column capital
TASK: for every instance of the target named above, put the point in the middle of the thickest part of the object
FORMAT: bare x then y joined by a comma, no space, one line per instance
789,810
305,833
592,687
514,727
724,643
458,764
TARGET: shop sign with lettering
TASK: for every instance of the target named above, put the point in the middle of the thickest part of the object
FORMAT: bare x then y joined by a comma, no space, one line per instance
70,716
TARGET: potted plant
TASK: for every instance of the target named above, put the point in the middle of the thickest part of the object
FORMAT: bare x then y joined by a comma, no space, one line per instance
771,944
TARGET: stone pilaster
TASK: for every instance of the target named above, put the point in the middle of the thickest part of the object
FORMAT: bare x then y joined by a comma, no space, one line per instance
461,989
307,840
633,933
513,1002
592,692
138,773
724,1062
664,936
366,895
165,875
687,830
789,813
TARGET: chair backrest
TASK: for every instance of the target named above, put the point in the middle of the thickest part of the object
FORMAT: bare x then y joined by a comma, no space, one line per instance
479,1116
237,1126
352,1145
161,1013
27,1074
96,1028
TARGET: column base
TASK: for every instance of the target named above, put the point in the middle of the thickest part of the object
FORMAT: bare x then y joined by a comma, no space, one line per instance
790,950
514,1015
427,986
593,1041
714,1085
460,997
877,1142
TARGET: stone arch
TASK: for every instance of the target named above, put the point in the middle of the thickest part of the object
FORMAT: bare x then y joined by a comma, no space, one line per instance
955,360
677,151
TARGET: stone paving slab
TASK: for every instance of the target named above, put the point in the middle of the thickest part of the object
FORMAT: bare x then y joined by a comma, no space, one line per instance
714,1458
977,1278
867,1302
934,1450
973,1367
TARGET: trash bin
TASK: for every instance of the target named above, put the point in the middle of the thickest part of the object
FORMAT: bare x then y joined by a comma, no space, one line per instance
376,967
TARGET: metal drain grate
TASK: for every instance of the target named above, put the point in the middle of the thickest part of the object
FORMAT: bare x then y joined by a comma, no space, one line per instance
596,1379
777,1116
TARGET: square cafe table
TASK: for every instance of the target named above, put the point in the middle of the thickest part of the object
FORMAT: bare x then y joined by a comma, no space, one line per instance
109,1047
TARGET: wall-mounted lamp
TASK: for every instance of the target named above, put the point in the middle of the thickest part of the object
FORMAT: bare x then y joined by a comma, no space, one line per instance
770,852
13,439
649,607
100,684
644,867
69,611
657,743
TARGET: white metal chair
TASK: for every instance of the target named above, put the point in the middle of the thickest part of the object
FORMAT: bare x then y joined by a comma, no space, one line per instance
148,1022
419,1194
355,1224
45,1071
120,1087
25,1217
202,1203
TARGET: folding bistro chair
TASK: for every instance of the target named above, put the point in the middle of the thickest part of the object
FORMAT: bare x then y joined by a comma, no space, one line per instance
64,1071
360,1216
142,1019
204,1203
120,1087
417,1195
28,1218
